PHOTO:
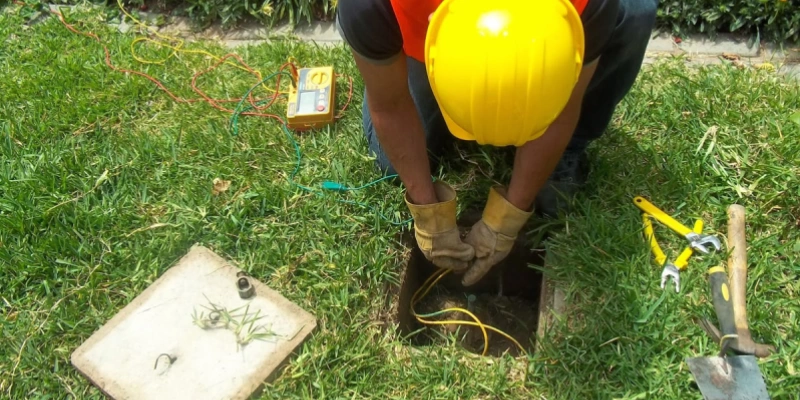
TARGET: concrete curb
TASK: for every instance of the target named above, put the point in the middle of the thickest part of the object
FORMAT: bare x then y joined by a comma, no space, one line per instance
697,44
326,33
250,32
790,70
730,49
697,49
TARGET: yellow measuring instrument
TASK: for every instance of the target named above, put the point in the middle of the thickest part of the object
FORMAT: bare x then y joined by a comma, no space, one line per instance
311,101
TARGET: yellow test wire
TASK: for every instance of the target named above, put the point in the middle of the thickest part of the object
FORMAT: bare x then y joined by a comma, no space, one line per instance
175,49
428,285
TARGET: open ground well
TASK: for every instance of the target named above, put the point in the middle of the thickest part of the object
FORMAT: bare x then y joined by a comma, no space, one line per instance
509,298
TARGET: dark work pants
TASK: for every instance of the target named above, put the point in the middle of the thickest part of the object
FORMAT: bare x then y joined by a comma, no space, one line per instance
619,66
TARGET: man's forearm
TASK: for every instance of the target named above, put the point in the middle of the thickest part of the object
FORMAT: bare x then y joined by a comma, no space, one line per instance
535,161
402,138
398,126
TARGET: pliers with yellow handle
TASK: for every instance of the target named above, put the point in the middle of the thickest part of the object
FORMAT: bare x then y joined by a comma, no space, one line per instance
671,270
698,241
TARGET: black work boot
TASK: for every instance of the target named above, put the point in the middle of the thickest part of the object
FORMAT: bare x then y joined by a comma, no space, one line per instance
566,180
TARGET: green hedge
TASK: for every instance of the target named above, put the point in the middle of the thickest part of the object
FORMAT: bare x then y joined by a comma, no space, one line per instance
773,20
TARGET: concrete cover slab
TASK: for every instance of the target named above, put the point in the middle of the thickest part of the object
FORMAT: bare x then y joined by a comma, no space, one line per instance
155,349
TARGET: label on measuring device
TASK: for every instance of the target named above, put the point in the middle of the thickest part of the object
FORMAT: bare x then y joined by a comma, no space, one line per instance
313,88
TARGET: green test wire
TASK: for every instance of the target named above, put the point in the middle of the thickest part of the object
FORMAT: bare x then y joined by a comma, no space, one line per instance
327,186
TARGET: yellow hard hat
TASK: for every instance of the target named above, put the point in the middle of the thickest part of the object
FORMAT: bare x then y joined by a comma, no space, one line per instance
502,71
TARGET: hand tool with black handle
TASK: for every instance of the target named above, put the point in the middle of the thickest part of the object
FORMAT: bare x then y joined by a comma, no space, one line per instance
737,267
736,377
721,295
720,377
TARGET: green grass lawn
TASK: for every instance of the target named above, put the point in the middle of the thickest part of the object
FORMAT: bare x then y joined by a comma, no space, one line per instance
105,182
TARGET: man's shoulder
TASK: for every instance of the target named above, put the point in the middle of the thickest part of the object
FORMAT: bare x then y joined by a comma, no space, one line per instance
370,28
595,8
599,19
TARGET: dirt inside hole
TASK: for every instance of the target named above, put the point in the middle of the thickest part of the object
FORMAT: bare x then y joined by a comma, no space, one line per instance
507,298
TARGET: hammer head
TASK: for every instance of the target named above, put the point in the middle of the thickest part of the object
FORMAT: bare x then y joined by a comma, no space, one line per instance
703,243
743,345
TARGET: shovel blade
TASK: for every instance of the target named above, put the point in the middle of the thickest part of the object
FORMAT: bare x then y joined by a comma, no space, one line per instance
742,381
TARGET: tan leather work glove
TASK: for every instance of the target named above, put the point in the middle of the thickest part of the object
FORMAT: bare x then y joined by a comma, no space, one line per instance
494,235
436,231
